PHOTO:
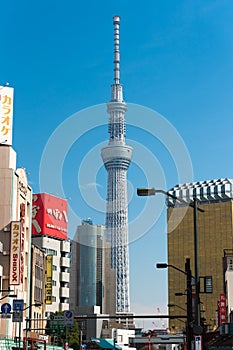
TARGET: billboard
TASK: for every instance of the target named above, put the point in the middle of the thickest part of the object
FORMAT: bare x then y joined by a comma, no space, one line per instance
49,216
15,253
6,114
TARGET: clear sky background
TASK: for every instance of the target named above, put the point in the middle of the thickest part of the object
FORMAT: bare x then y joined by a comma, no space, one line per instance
176,59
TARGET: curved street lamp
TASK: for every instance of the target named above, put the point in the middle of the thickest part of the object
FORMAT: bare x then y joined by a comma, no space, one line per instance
9,296
188,273
151,191
175,305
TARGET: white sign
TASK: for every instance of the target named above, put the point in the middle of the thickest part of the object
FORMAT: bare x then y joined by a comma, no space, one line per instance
198,342
6,114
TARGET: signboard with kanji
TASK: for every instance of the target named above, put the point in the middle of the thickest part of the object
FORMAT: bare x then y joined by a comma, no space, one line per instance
49,216
18,304
49,279
57,324
15,253
222,312
6,114
17,316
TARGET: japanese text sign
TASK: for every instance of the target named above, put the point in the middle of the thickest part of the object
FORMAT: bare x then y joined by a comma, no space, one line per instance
222,317
6,114
49,216
15,253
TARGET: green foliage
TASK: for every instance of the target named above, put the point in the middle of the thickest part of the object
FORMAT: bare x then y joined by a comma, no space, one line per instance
73,336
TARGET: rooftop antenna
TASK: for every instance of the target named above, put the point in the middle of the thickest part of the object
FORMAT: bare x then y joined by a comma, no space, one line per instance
117,93
116,23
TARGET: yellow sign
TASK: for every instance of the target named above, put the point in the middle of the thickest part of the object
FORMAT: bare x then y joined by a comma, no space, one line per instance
49,279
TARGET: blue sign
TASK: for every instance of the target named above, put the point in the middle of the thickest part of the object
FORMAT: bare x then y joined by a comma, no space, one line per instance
18,304
6,308
69,318
68,314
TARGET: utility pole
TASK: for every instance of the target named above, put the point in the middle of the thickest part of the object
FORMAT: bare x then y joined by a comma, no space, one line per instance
189,330
196,262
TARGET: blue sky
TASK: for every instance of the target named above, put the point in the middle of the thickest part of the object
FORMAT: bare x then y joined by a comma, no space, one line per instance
176,60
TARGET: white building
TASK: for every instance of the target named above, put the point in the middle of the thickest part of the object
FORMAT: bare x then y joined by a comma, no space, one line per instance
15,213
49,232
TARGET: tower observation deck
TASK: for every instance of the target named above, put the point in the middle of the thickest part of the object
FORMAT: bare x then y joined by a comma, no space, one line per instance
117,157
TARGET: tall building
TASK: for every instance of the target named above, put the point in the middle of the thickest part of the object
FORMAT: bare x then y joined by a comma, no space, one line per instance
116,157
215,235
90,273
88,264
49,232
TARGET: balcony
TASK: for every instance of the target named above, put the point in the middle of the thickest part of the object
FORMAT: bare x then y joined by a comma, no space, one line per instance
64,277
65,246
65,262
64,292
64,306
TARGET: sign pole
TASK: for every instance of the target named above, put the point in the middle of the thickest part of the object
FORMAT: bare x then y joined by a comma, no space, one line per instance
19,333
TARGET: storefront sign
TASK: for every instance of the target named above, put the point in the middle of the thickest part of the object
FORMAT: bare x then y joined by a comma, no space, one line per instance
15,253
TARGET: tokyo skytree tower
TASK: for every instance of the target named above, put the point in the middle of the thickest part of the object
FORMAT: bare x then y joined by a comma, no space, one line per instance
116,157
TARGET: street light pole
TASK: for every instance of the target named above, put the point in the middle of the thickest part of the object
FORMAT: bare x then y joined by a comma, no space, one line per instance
152,192
188,273
175,305
189,332
196,260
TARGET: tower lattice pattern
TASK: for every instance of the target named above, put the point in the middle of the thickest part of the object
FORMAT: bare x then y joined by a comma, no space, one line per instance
116,157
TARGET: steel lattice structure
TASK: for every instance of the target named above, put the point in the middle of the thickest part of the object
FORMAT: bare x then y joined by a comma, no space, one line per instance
116,157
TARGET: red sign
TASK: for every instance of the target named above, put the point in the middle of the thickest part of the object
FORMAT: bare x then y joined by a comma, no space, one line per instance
15,253
222,310
49,216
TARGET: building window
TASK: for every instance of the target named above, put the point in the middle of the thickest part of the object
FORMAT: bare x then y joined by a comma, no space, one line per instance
50,251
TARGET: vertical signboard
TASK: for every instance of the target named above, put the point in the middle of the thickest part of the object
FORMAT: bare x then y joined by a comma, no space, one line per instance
15,253
49,279
222,311
6,114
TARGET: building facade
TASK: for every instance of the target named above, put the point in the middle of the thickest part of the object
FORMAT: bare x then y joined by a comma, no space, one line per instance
225,304
15,233
49,233
37,292
117,157
215,234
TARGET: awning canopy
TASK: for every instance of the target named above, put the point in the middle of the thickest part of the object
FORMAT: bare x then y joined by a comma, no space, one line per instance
105,343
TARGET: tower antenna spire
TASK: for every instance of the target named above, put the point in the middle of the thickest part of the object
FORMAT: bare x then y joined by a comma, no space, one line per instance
117,157
116,23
